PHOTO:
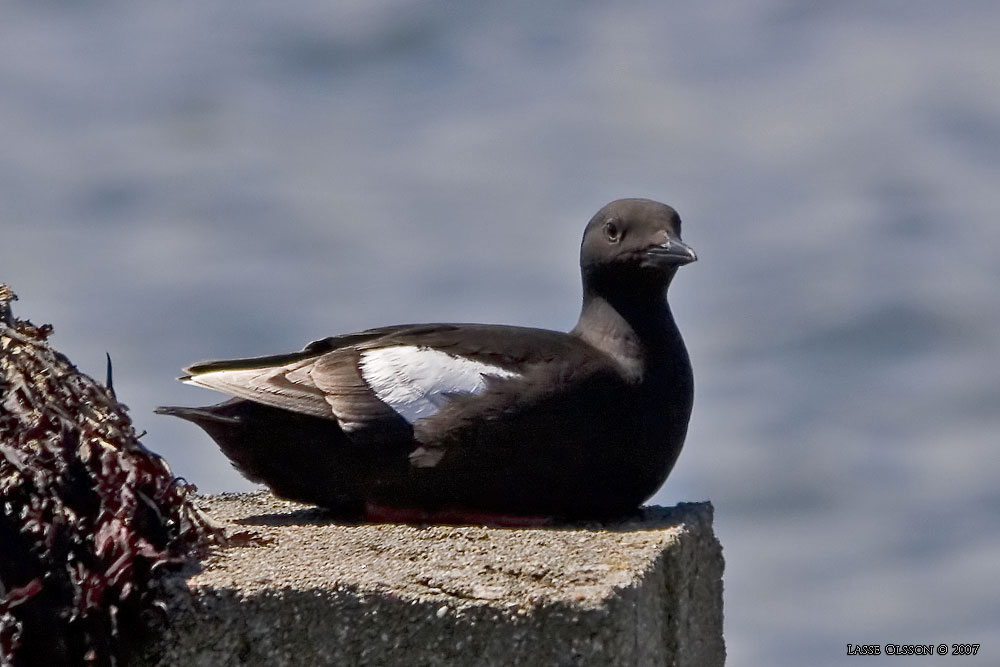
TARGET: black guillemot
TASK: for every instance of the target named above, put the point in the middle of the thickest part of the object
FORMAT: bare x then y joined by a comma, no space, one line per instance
426,422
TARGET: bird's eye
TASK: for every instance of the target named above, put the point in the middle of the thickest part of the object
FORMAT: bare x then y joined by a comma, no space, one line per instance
611,232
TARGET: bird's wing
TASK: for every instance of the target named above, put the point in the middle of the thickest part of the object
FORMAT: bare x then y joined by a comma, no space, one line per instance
557,405
385,378
281,381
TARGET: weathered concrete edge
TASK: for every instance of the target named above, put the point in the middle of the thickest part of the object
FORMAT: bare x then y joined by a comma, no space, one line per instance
672,615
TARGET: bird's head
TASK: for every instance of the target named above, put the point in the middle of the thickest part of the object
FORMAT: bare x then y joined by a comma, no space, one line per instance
633,243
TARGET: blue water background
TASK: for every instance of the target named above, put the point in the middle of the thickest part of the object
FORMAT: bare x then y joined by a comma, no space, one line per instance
199,179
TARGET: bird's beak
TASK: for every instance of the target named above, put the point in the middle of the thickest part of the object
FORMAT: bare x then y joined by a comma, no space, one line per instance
673,252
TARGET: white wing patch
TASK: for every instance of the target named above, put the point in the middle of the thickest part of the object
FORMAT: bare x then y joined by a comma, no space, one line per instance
417,381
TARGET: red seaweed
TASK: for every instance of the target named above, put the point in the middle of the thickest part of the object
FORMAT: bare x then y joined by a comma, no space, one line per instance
90,519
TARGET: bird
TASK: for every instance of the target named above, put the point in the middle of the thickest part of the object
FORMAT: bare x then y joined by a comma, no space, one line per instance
477,423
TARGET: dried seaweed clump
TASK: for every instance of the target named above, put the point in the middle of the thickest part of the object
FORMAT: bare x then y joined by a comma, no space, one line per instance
89,518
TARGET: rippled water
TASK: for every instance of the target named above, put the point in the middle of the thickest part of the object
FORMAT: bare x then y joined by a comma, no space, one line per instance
199,180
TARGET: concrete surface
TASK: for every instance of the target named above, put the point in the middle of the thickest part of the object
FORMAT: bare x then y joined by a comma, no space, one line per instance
300,588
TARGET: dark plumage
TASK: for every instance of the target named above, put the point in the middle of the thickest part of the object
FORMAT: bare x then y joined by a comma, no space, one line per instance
479,418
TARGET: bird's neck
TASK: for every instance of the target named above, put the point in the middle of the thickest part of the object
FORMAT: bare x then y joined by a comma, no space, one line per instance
634,327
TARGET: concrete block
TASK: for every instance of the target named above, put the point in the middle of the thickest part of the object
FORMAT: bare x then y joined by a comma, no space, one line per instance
302,589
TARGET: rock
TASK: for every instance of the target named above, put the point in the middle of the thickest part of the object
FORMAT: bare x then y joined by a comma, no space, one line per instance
297,587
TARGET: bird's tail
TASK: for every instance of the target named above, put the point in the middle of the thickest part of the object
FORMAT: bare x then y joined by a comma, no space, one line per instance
200,416
299,456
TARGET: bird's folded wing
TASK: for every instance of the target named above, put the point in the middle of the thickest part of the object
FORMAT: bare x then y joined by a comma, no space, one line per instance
385,378
278,386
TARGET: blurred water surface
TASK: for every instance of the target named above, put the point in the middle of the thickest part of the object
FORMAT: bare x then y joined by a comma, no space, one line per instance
191,180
